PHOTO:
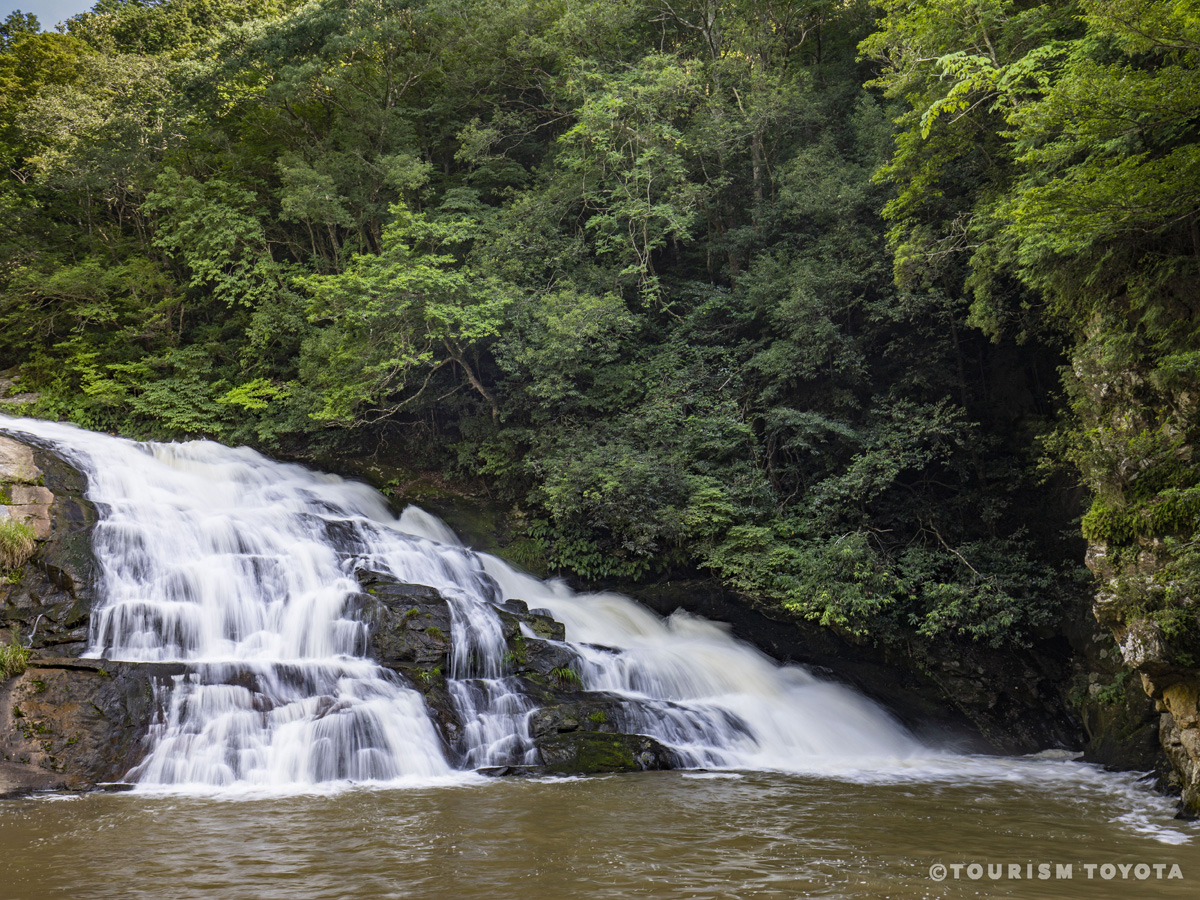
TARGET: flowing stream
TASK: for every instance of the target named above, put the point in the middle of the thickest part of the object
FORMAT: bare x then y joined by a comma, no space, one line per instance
244,568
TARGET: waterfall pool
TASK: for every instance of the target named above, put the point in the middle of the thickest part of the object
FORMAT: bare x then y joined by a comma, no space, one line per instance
660,835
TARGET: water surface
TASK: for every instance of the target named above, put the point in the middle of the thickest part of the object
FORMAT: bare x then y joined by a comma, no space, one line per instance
655,835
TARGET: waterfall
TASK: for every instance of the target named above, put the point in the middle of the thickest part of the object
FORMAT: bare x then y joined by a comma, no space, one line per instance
244,569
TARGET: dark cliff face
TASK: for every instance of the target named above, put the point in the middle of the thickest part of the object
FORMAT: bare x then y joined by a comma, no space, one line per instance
46,601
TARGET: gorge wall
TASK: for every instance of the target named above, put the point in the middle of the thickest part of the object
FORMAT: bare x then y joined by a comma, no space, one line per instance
1142,529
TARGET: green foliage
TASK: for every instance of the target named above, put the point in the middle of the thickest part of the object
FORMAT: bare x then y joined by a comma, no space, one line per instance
15,26
1047,162
1171,511
1114,691
566,677
430,676
17,542
393,320
621,265
517,653
13,660
210,228
629,157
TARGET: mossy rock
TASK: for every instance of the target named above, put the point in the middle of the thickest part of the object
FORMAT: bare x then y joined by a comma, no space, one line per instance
398,637
596,712
592,753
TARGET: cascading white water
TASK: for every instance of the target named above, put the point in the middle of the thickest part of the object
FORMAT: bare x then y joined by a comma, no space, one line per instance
243,568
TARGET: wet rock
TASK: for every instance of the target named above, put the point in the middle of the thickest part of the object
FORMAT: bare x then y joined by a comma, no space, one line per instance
409,632
408,624
1162,658
583,734
82,720
552,661
509,771
587,712
544,656
591,753
17,780
517,619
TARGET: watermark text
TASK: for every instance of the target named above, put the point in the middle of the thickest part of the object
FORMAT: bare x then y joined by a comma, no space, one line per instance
1047,871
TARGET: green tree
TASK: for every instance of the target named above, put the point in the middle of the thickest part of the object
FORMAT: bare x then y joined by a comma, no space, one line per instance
392,321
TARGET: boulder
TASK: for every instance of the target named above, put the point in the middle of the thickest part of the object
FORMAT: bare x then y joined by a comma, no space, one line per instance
408,625
596,712
408,631
591,753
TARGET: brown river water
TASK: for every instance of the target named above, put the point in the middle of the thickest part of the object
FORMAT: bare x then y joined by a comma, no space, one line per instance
655,835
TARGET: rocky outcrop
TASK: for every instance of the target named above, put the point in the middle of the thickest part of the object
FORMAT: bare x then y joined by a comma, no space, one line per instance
75,723
408,624
574,731
1179,732
1141,421
22,496
408,631
1169,677
46,603
1164,671
11,394
1120,720
590,752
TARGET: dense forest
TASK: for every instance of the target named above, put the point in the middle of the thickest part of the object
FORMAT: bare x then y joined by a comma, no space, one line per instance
868,309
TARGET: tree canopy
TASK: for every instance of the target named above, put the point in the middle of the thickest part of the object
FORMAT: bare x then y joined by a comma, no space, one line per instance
775,291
